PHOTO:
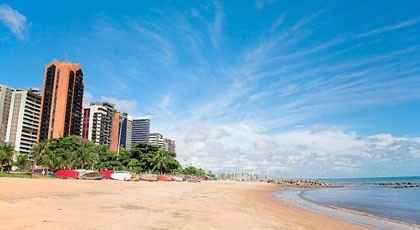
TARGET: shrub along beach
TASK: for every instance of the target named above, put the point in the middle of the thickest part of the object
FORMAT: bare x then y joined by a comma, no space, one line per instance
72,152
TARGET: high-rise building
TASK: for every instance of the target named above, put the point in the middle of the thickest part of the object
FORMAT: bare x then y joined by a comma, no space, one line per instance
5,100
115,132
23,123
126,126
140,131
156,139
170,146
62,100
97,122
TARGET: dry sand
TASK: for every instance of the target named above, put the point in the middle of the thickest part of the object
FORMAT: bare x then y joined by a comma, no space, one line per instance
75,204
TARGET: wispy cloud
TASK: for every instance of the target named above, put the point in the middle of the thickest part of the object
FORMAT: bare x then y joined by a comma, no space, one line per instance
165,102
244,109
238,126
163,43
260,4
217,25
122,105
14,20
389,28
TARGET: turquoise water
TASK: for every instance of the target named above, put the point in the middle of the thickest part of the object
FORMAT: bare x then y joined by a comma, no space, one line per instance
363,194
355,181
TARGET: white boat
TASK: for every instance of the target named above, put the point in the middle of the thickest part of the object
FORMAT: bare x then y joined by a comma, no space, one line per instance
91,175
178,178
121,175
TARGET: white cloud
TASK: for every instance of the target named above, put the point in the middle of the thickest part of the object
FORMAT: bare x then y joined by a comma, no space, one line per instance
313,152
87,98
278,84
14,20
122,105
165,102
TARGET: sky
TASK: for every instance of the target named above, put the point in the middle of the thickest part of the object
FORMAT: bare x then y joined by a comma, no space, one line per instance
286,88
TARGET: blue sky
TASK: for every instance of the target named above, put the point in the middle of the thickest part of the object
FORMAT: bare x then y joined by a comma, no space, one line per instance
293,88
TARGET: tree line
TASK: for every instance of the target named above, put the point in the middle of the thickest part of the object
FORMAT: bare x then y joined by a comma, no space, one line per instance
72,152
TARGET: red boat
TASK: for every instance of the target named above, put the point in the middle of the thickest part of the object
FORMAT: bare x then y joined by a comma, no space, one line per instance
165,178
106,173
67,174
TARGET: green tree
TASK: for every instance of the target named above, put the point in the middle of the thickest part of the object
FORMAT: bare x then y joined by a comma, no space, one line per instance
88,155
107,159
23,162
144,153
6,156
73,152
193,171
163,162
67,152
134,165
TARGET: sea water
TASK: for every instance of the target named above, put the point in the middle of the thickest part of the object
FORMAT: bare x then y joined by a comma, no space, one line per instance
366,195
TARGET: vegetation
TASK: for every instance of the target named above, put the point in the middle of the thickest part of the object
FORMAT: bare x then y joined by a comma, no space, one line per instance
193,171
73,152
23,163
6,157
16,175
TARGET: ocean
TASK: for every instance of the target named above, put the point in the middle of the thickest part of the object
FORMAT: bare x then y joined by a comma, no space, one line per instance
366,197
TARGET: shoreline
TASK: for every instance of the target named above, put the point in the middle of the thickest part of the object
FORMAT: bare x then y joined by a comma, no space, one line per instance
362,213
79,204
295,197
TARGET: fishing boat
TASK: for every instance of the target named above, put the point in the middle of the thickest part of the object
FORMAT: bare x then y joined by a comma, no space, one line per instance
91,175
178,178
149,177
106,173
192,179
121,175
165,178
67,174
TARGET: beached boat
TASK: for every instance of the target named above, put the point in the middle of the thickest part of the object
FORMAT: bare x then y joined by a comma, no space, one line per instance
121,175
192,179
106,173
165,178
149,177
67,174
178,178
91,176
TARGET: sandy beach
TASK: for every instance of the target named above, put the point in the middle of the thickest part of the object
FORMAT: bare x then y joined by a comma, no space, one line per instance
76,204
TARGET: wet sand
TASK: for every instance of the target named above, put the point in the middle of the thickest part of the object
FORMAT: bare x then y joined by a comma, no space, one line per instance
77,204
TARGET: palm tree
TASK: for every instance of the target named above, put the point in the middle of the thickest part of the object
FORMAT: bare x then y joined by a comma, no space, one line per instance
45,154
134,165
22,162
6,156
161,161
89,155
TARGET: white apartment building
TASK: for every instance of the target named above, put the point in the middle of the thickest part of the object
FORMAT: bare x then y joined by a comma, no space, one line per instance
23,120
5,100
157,139
97,122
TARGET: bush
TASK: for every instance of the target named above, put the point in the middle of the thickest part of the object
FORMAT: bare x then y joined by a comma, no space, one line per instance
73,152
